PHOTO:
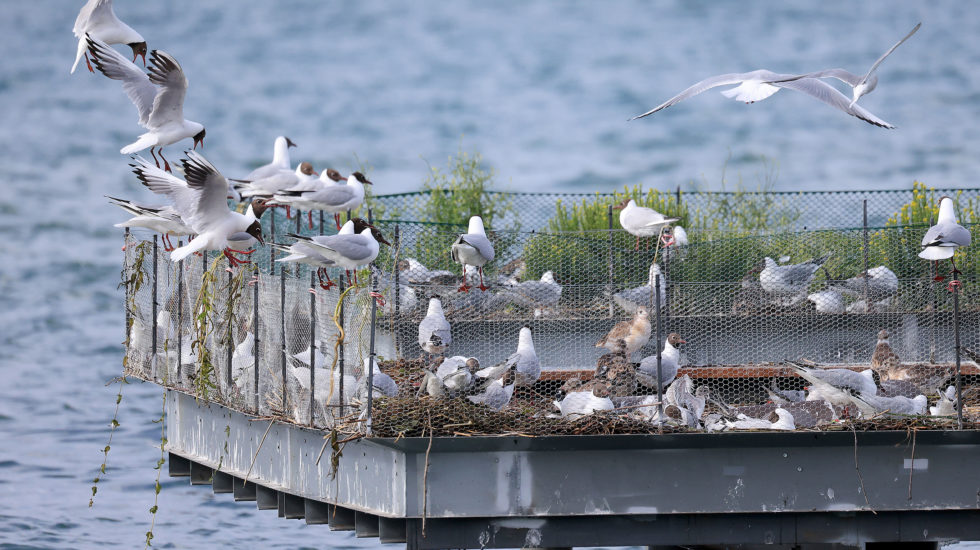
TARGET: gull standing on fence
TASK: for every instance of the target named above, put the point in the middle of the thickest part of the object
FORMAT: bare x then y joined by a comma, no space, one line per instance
268,186
524,361
159,98
202,204
332,197
578,404
541,295
632,298
98,20
348,250
435,334
473,248
758,85
641,221
788,283
670,361
941,240
861,84
300,252
627,337
280,160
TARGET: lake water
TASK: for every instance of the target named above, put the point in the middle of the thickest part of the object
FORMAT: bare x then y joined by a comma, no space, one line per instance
541,89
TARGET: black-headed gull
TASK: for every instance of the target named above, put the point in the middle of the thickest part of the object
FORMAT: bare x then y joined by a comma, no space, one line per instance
496,395
98,20
282,179
435,334
784,421
302,253
456,373
861,84
280,160
202,204
758,85
632,298
627,337
163,219
884,360
834,385
880,282
330,197
641,221
158,96
524,361
383,384
941,240
670,361
789,281
473,248
347,249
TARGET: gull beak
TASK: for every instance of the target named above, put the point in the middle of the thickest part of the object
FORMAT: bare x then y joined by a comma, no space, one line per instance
197,141
143,55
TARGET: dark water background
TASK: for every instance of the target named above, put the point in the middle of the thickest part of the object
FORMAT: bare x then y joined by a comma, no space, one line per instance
541,89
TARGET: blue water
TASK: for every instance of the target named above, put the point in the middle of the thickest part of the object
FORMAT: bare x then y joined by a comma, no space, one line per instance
541,89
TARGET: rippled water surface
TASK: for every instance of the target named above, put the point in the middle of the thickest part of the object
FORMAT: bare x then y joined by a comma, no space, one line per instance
542,89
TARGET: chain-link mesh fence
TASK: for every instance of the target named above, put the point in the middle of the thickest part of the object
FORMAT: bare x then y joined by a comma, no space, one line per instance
745,325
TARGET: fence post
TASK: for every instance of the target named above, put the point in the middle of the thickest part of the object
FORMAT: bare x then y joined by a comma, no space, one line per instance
666,285
180,315
126,288
678,195
374,323
956,338
321,222
255,339
609,260
231,333
343,346
932,305
660,388
867,296
312,344
272,249
397,291
282,321
153,338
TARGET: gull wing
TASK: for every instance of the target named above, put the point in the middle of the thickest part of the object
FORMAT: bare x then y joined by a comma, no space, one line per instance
819,89
889,52
168,104
203,177
480,242
712,82
352,247
93,10
136,83
845,76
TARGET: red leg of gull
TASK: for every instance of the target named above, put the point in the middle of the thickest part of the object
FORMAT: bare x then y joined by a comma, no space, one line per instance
309,215
166,165
235,262
320,273
167,245
378,297
482,286
336,220
288,215
464,287
90,69
938,277
637,243
154,155
245,252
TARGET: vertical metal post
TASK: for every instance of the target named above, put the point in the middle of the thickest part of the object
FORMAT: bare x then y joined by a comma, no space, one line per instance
678,195
666,285
231,333
272,249
312,344
299,231
867,295
321,222
342,346
255,336
282,320
609,259
180,315
126,288
660,386
371,354
397,290
956,338
153,338
932,305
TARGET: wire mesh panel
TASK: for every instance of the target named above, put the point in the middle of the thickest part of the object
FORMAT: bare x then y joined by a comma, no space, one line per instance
566,332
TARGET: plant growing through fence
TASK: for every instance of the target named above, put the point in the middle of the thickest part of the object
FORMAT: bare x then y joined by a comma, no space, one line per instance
203,326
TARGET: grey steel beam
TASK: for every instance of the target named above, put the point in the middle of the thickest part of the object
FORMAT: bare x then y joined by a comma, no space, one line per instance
391,530
340,519
316,512
365,525
281,504
294,507
178,465
200,474
243,490
222,482
266,498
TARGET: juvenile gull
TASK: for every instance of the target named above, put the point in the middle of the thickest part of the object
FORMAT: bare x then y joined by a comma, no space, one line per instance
627,337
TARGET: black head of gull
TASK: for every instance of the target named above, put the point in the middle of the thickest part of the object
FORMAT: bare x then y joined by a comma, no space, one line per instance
139,50
289,142
255,230
199,138
361,178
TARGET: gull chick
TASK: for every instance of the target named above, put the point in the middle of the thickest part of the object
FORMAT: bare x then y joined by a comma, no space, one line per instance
627,337
884,360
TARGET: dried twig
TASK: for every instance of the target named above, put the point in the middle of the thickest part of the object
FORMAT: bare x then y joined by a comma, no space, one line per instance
858,470
256,456
912,465
425,476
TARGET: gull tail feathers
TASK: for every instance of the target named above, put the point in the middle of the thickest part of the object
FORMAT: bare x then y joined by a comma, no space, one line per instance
194,246
936,253
144,141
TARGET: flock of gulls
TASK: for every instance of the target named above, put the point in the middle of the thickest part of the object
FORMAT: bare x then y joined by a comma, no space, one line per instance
198,208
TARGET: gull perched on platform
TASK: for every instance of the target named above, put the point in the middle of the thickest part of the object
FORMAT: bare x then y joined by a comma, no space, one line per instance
383,384
496,395
632,298
789,282
415,273
870,405
884,360
670,359
473,248
946,405
829,301
881,284
98,20
576,405
835,386
524,361
941,240
743,422
456,373
541,295
435,334
627,337
860,84
202,204
159,97
641,221
303,253
280,160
